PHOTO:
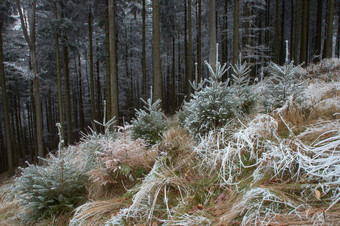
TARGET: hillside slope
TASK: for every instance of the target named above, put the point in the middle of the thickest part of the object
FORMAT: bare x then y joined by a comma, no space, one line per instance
278,167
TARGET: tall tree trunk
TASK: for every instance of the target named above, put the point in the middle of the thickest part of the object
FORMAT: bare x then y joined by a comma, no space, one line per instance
304,33
291,29
236,31
93,107
267,34
189,75
81,103
67,94
199,41
108,75
296,35
60,99
329,31
5,107
14,141
144,89
246,15
67,85
225,35
179,81
318,35
338,37
186,55
282,44
99,93
156,53
276,41
113,61
212,33
29,33
173,76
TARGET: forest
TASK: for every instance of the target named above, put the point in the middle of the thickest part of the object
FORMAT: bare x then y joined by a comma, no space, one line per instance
62,59
167,112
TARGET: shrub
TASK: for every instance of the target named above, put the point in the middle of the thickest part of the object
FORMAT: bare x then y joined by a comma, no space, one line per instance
50,189
217,104
129,158
282,84
123,162
149,122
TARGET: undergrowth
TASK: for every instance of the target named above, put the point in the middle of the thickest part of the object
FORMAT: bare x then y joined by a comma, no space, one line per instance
274,166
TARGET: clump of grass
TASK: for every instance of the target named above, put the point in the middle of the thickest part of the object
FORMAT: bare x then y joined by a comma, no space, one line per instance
97,212
9,206
122,163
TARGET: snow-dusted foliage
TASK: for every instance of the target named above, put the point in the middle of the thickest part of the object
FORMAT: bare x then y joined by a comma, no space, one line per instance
282,83
188,219
123,158
228,155
217,104
149,123
55,187
258,206
160,179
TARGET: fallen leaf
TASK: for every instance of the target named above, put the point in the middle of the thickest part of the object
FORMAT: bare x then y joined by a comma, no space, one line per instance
317,194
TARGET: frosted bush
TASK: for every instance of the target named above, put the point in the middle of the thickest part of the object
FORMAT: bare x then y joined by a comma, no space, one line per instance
283,83
149,123
216,104
51,189
125,157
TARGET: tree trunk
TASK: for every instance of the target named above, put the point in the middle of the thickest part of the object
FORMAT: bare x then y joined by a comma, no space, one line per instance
329,31
108,75
276,40
189,75
173,76
304,33
68,94
99,93
60,99
199,41
212,33
93,107
144,89
318,35
5,108
296,38
283,41
29,34
81,104
236,31
291,29
113,61
156,53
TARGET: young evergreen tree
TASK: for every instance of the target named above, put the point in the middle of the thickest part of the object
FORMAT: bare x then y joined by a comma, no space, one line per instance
149,122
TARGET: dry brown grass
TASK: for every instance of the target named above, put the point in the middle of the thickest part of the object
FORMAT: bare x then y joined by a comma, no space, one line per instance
9,206
176,141
97,212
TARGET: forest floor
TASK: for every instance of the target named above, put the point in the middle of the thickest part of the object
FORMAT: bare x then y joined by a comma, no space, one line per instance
281,168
